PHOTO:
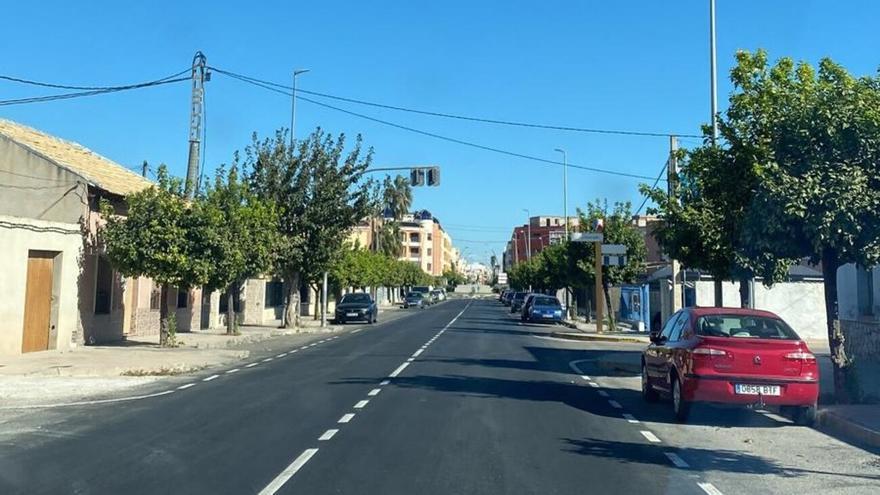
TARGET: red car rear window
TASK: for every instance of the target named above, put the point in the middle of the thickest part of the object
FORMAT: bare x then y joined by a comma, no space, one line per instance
744,326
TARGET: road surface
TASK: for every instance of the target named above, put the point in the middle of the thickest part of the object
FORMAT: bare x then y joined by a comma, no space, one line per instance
460,398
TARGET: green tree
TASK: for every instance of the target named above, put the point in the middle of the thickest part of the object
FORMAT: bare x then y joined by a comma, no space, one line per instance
242,233
158,238
320,195
397,196
618,228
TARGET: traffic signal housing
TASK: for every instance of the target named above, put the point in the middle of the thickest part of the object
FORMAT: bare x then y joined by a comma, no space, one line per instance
434,176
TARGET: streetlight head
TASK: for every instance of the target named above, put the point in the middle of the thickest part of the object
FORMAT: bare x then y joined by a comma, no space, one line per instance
297,72
559,150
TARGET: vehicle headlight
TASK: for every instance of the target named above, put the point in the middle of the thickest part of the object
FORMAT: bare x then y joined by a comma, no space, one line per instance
557,312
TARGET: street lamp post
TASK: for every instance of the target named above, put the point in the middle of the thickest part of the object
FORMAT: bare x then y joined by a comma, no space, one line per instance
296,72
564,188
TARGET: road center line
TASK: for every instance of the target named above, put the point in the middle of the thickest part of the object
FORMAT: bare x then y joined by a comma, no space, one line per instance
361,404
288,472
251,365
678,461
328,435
346,418
615,404
233,370
650,436
281,355
398,370
409,360
709,488
212,377
603,393
374,392
416,354
184,387
268,359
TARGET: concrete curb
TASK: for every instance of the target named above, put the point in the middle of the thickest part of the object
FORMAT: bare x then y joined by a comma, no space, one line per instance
839,426
596,337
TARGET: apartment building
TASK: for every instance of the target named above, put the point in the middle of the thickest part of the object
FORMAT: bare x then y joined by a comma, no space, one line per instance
544,230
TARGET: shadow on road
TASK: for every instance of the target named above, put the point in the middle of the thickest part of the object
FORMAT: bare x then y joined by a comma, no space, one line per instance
702,460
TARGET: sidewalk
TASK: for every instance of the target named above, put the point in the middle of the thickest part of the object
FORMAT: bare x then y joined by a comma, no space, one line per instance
587,331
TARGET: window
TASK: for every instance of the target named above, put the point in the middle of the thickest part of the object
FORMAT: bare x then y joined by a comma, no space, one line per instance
635,302
429,267
274,294
667,328
103,286
358,297
547,223
430,237
182,297
865,290
675,334
414,237
429,251
155,296
413,251
744,326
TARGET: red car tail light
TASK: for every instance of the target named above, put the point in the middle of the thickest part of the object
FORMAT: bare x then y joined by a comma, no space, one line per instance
804,356
709,352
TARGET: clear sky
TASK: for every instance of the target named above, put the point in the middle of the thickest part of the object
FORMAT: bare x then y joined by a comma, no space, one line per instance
636,65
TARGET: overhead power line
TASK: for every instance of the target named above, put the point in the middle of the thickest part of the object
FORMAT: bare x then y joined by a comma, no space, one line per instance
484,120
431,134
662,171
83,91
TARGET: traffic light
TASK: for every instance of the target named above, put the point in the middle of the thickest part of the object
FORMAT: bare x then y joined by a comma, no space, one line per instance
434,176
417,177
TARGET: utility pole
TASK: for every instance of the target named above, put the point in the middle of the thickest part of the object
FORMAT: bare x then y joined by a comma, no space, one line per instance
713,90
565,213
199,71
144,168
529,236
293,108
672,190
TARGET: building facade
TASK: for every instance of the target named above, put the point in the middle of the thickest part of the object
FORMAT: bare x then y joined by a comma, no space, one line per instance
544,230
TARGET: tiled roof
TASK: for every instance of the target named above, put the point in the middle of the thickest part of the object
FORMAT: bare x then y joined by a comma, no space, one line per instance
96,169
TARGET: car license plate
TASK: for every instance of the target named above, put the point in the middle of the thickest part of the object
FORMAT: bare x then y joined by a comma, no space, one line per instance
351,314
548,316
746,389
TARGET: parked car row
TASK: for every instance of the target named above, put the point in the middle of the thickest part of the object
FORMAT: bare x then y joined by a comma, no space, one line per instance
533,307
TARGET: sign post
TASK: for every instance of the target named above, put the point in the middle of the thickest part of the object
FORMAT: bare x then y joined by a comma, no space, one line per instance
596,238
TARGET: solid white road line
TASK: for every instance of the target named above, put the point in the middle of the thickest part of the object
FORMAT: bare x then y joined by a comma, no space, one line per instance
650,436
709,488
184,387
233,370
374,392
346,418
587,378
398,370
288,472
384,382
251,365
630,418
268,359
409,360
356,331
328,435
603,393
87,402
615,404
361,404
678,461
416,354
210,378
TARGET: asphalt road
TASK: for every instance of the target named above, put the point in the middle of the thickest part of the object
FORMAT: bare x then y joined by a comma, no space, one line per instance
456,399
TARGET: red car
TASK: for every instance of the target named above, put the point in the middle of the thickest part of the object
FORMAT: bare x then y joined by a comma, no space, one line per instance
731,356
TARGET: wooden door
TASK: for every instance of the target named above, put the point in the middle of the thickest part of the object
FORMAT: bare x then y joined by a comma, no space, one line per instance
38,301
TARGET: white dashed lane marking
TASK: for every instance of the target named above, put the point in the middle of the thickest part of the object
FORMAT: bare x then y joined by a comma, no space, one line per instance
630,418
603,393
615,404
345,418
398,370
416,354
374,392
251,365
288,472
281,355
233,370
650,436
210,378
678,461
594,384
361,404
328,435
709,488
184,387
384,382
268,359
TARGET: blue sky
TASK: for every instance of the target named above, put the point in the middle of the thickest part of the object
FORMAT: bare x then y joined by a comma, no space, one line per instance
638,65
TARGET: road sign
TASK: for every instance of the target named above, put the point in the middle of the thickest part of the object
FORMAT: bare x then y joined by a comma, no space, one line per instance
502,278
613,260
615,249
587,237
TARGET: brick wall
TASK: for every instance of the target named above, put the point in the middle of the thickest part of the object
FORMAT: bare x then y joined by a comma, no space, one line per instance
863,346
144,322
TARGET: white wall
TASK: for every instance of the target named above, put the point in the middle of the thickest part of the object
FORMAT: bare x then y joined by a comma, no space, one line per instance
847,295
17,236
800,304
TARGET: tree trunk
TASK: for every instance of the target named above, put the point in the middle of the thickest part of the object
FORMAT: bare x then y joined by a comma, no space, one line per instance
230,310
163,315
317,314
836,339
610,312
291,309
745,292
719,292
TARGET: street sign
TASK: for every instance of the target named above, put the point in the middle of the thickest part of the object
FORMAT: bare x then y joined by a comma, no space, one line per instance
502,278
613,260
587,237
616,249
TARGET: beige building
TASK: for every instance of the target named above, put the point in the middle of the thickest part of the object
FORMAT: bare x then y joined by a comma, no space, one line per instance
57,288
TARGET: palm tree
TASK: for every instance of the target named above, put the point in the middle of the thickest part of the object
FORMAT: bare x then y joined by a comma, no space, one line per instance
397,196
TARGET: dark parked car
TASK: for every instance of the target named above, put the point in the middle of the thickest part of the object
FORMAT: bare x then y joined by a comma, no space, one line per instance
356,306
414,300
731,356
517,301
542,308
508,297
502,294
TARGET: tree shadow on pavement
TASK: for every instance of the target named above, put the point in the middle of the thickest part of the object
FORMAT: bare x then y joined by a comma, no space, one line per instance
701,460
